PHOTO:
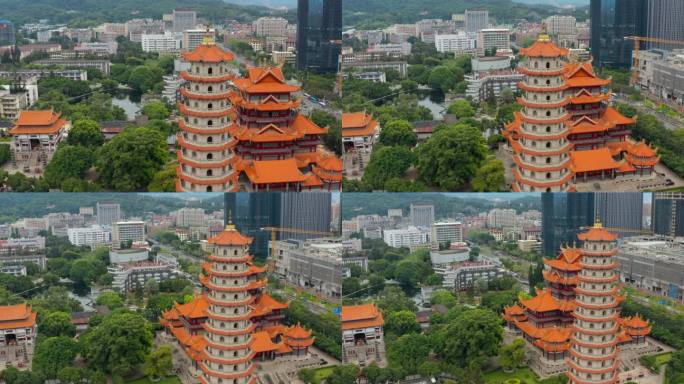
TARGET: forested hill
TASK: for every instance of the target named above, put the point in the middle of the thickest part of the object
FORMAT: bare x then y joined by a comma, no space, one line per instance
81,13
379,13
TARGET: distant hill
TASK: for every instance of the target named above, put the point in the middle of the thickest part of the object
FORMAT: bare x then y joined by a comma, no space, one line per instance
266,3
578,3
379,13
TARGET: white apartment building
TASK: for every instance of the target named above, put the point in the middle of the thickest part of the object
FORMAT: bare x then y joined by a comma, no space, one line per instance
194,37
447,232
92,236
270,26
499,38
398,49
476,20
124,231
409,237
189,217
166,43
459,43
561,25
501,218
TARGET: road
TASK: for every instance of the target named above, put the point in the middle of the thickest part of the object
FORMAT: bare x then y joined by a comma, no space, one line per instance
669,122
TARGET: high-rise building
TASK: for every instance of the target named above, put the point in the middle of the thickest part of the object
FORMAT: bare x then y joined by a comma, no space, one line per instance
624,210
422,215
319,35
493,39
193,38
7,34
270,27
611,22
190,217
665,21
253,211
667,214
563,214
501,218
475,20
561,25
125,231
184,19
447,232
108,213
92,236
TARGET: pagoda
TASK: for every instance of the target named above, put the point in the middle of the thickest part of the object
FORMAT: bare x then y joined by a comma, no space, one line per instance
248,126
567,132
557,323
233,322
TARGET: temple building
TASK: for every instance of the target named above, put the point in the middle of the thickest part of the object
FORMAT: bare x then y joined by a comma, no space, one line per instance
580,302
233,323
17,335
566,132
359,132
246,133
363,340
37,133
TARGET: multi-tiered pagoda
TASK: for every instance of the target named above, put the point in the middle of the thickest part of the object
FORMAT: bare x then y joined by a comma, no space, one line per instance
567,132
577,311
247,126
233,323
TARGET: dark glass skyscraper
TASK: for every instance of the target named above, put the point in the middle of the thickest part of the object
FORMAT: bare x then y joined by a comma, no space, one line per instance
624,210
319,35
250,212
611,21
665,21
667,214
563,215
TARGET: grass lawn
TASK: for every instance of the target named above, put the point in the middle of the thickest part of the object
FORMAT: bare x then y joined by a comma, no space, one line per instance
663,358
322,373
145,380
525,375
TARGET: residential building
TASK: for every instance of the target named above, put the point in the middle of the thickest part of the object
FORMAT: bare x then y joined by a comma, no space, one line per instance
363,341
466,274
530,245
476,20
102,65
130,277
561,25
667,214
128,231
18,331
490,63
410,237
501,218
127,256
422,215
359,132
96,48
447,232
161,43
14,270
395,49
139,27
189,217
71,74
183,20
493,40
14,98
108,213
192,38
270,27
460,43
319,35
483,86
93,236
7,33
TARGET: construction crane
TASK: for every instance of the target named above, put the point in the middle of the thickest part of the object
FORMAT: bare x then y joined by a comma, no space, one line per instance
637,47
275,230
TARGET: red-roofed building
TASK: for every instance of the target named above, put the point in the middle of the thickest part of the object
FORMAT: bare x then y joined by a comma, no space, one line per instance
17,335
37,133
359,131
232,314
580,302
363,340
245,132
566,132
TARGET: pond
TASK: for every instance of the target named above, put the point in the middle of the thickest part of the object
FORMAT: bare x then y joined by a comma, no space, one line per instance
434,101
129,102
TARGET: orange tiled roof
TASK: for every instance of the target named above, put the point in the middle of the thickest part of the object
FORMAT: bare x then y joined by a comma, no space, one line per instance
15,312
297,332
208,53
230,236
514,310
635,322
570,255
543,48
261,342
312,180
266,304
617,118
196,308
37,123
265,80
641,149
544,302
361,316
597,233
358,125
274,171
556,334
592,160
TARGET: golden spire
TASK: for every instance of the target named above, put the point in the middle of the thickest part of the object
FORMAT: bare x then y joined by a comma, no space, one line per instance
230,226
543,35
208,38
597,223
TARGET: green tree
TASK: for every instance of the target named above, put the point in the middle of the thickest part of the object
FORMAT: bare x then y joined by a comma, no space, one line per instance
398,132
343,374
451,157
443,297
490,176
387,163
333,138
472,337
461,109
393,299
5,153
159,363
53,354
512,355
57,324
442,79
86,133
409,351
119,343
496,301
131,159
156,110
408,274
401,323
110,299
68,162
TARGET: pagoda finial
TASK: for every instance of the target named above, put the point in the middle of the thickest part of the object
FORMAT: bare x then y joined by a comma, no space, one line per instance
543,35
208,37
230,226
597,222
